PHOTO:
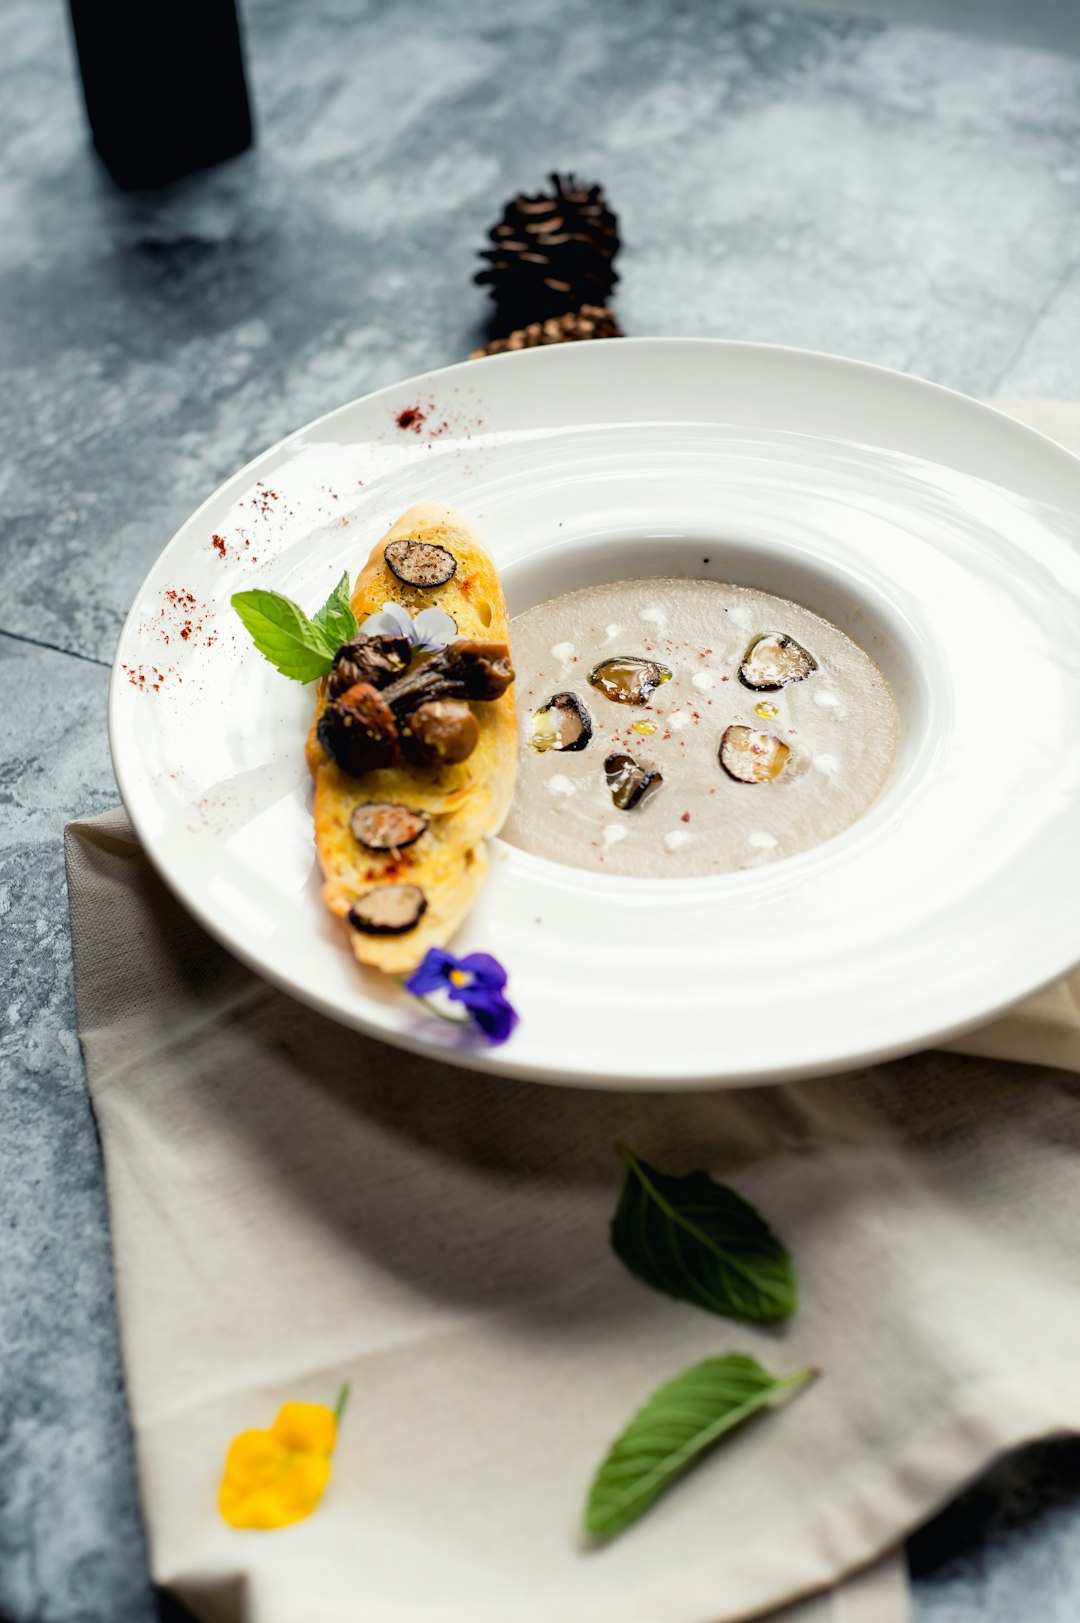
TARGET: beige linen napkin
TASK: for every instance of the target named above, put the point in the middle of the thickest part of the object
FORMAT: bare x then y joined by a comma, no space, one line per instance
294,1205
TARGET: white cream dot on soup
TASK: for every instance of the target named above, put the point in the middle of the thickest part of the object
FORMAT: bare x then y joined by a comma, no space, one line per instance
703,680
827,764
827,700
613,835
612,631
763,841
740,616
560,785
677,720
676,838
655,617
562,651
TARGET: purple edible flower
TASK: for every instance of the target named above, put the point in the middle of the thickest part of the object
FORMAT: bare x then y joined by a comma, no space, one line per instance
475,981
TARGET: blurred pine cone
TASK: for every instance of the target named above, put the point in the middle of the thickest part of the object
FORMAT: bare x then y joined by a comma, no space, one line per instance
591,321
552,253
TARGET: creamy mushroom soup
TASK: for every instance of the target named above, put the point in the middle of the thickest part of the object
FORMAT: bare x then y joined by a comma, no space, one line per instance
681,727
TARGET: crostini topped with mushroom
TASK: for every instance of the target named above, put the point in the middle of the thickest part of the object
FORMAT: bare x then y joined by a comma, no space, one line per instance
413,746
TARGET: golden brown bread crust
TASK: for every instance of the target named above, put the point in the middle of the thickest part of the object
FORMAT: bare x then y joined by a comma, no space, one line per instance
466,802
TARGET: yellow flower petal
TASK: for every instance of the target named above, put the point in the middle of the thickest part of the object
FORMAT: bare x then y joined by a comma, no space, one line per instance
253,1461
293,1493
302,1426
277,1477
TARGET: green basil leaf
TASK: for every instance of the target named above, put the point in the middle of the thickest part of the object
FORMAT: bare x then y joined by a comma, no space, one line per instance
335,619
678,1424
284,635
701,1242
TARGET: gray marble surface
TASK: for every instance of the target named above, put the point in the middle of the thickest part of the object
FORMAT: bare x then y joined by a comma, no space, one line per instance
824,177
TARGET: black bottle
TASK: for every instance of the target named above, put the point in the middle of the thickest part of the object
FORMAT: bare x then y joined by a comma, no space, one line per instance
164,85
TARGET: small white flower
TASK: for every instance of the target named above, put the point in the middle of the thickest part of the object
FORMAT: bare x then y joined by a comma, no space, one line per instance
391,621
432,629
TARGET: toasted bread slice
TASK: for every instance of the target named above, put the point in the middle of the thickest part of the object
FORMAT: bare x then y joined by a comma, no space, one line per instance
466,801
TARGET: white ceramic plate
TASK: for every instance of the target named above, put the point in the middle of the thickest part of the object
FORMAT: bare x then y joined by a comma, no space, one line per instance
952,898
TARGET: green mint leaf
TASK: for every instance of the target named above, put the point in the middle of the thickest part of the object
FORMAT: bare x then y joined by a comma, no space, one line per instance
678,1424
335,619
701,1242
284,635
